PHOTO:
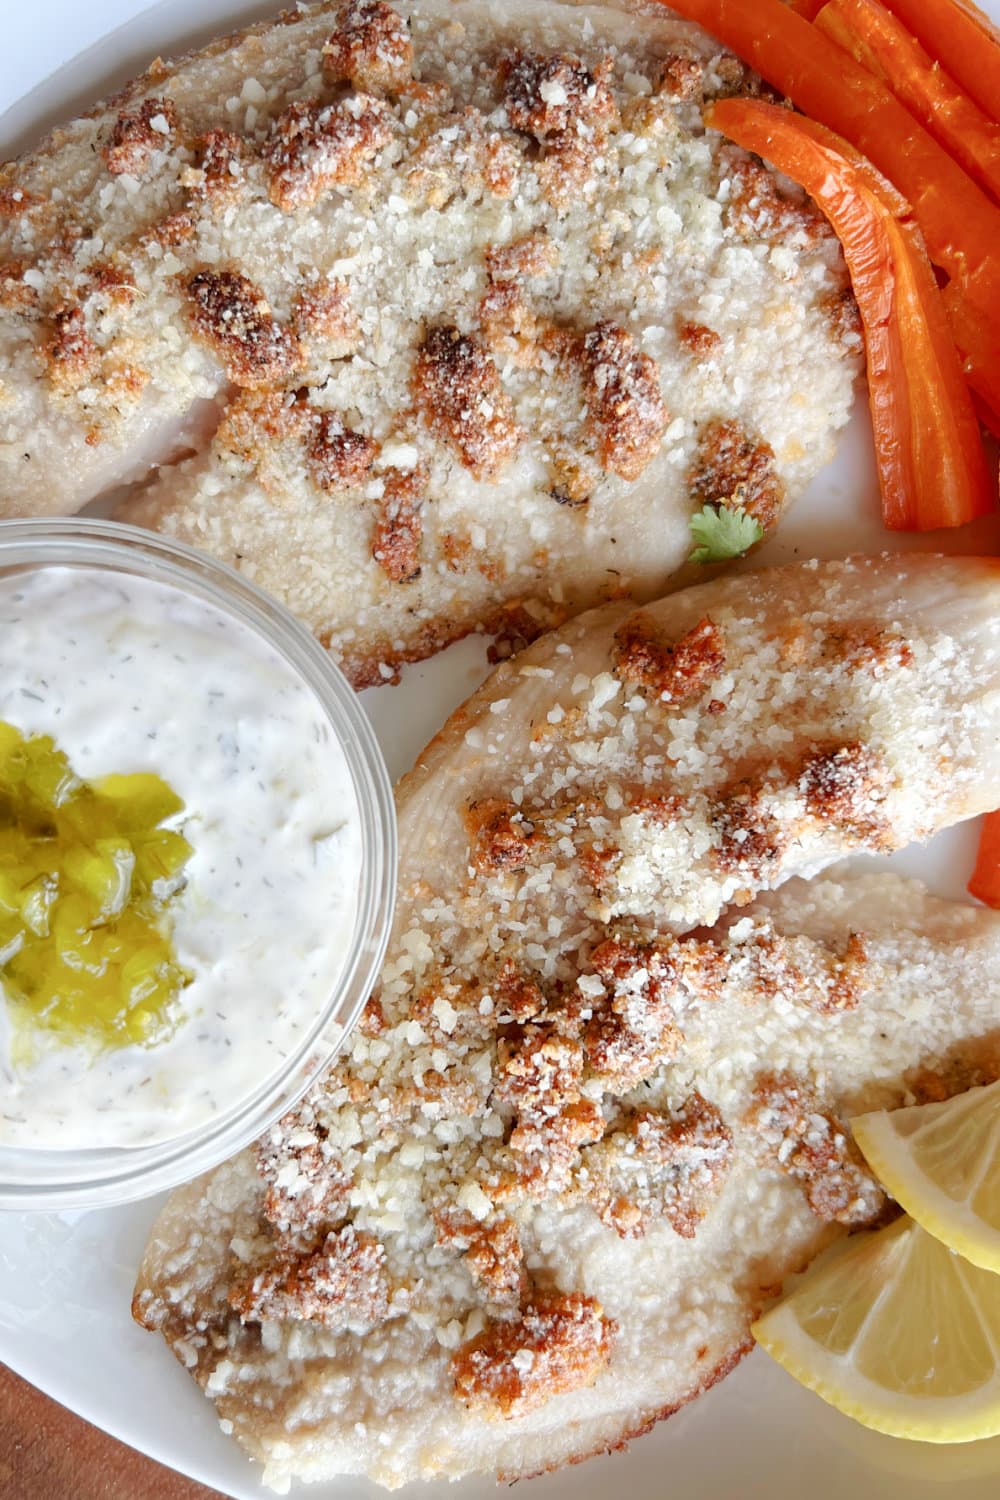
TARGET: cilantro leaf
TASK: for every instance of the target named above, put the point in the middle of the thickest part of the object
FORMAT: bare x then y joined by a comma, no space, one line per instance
722,532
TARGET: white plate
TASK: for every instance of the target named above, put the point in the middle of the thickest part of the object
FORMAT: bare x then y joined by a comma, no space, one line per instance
66,1280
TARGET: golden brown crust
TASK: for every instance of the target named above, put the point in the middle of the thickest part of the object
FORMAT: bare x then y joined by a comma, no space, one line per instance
568,109
459,991
876,651
234,319
15,293
516,996
458,392
842,310
698,338
750,841
315,146
510,327
812,1146
543,1149
809,974
175,229
457,151
324,311
568,1338
492,1252
553,95
254,427
531,255
538,1071
731,467
339,458
657,1165
633,1028
110,286
847,785
384,661
15,200
138,134
625,411
69,352
398,526
240,530
219,174
503,837
340,1284
756,207
674,673
160,72
680,76
317,1191
370,48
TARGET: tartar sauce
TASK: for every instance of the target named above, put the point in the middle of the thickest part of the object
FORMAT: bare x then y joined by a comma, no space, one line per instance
129,675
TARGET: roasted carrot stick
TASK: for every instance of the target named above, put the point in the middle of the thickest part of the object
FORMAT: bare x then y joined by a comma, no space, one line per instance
989,418
959,222
963,39
885,191
881,43
932,470
985,882
976,331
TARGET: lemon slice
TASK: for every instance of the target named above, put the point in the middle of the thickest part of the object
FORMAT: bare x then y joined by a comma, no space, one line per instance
898,1332
941,1162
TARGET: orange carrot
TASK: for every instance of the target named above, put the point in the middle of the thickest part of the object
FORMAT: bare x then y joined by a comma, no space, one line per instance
963,39
959,222
987,416
976,331
932,470
985,882
886,192
879,42
807,8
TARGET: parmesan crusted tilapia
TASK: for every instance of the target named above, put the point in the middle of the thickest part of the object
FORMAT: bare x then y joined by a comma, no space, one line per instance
570,1150
458,307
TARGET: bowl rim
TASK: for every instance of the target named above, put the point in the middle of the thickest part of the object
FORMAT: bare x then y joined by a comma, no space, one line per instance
102,1177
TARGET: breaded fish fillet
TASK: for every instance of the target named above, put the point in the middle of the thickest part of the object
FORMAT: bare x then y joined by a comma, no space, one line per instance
479,313
567,1153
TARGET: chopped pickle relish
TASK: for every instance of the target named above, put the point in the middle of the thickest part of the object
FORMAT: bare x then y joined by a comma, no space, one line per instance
87,873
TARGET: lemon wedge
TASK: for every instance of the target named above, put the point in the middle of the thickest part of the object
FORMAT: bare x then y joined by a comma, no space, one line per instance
941,1162
898,1332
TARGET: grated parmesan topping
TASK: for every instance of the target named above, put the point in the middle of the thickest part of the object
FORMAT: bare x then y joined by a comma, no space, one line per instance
564,1111
400,155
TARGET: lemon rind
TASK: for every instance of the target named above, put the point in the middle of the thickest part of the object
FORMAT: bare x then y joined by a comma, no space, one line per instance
963,1418
954,1224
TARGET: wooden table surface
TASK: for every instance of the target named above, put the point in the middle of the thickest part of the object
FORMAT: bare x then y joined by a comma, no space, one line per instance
46,1453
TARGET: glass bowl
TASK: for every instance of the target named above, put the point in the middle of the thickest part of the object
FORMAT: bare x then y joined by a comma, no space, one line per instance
36,1177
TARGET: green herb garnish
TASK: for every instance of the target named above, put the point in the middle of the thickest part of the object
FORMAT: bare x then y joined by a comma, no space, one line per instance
722,532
